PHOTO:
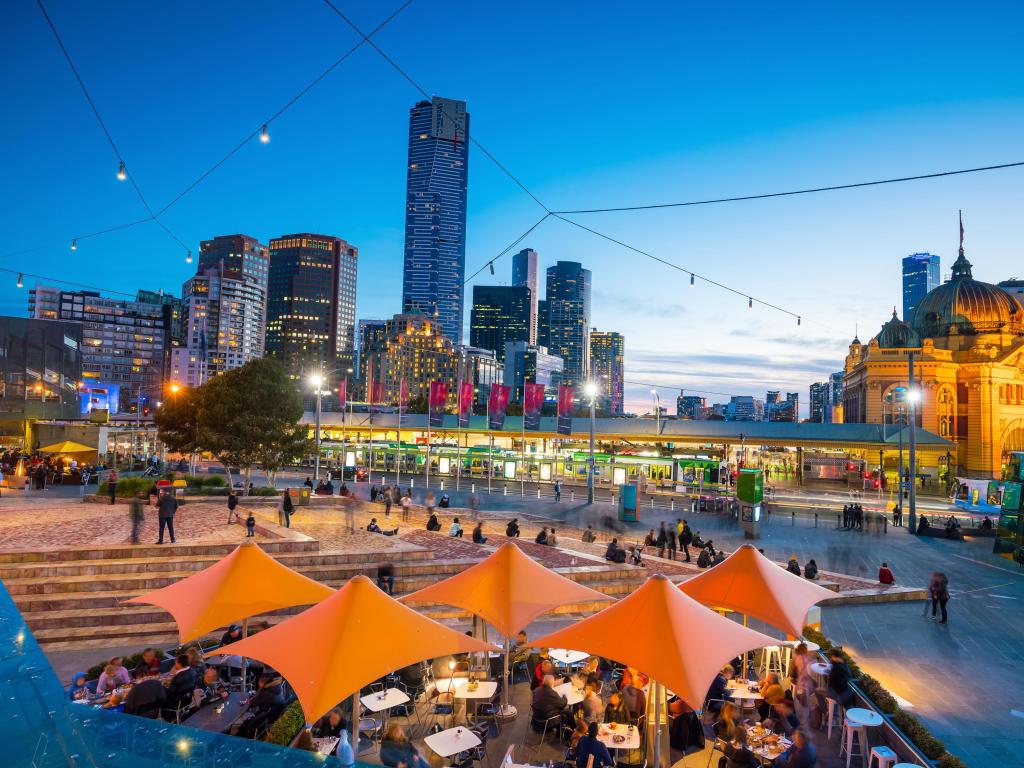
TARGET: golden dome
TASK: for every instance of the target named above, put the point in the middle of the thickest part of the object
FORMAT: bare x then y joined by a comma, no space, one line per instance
968,305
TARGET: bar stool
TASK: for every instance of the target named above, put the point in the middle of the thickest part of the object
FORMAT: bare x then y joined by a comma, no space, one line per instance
771,659
833,708
851,730
884,755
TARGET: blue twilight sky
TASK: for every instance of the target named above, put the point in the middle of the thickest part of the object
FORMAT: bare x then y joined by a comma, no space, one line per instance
590,104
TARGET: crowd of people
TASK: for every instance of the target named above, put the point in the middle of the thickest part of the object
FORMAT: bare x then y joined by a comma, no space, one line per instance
46,470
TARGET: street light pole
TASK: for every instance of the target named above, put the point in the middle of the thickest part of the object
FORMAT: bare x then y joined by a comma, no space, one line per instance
318,381
914,395
591,391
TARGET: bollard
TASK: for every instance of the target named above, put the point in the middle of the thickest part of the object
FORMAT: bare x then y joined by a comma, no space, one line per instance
672,505
885,524
412,482
538,493
572,495
792,515
652,502
472,487
504,491
839,519
442,485
815,519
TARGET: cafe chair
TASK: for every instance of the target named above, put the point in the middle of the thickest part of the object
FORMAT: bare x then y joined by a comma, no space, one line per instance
443,705
884,756
543,728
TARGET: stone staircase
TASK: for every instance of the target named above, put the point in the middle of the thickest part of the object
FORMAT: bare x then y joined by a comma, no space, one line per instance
71,599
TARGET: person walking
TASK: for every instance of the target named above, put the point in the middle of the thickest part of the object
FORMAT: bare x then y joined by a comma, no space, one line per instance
233,506
406,502
939,591
112,484
285,509
430,501
662,541
137,514
166,508
388,501
686,539
558,490
671,539
250,526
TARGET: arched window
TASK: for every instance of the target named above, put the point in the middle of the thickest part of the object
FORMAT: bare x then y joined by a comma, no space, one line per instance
945,411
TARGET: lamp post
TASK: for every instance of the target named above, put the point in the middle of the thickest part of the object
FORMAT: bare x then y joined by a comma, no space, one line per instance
591,390
913,397
657,410
317,380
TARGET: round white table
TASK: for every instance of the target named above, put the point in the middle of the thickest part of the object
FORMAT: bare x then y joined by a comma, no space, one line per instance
607,736
452,741
378,702
811,647
446,684
484,690
573,695
820,668
741,692
865,717
565,656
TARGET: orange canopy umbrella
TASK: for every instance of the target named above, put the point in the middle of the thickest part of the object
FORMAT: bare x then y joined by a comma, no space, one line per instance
356,636
664,634
751,584
508,590
245,583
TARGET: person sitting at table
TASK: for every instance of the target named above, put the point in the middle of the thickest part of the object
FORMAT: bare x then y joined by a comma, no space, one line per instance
738,753
725,728
411,678
592,706
587,674
108,680
590,746
783,718
811,570
719,689
151,661
630,676
519,653
433,524
512,529
213,688
793,566
885,575
269,694
771,694
184,680
801,755
578,732
147,695
78,688
195,660
455,530
478,534
233,635
545,704
330,725
396,749
122,673
615,711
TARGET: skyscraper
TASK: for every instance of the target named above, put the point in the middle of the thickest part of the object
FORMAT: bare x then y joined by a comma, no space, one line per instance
500,313
690,406
409,348
524,272
607,350
920,275
821,402
311,302
528,363
435,213
568,300
543,324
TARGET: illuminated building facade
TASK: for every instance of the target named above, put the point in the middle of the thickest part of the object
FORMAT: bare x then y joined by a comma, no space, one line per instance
607,354
500,313
413,348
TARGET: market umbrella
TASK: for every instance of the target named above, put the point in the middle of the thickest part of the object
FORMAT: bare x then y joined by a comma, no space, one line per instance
508,590
67,446
751,584
357,635
673,639
246,583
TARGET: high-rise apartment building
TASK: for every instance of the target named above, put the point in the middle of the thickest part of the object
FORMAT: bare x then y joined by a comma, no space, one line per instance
311,302
607,353
543,324
500,313
745,408
410,347
481,367
691,406
435,212
920,275
123,341
820,402
524,272
568,300
527,363
40,371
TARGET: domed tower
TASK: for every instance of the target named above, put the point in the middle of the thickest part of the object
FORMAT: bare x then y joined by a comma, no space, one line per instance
896,334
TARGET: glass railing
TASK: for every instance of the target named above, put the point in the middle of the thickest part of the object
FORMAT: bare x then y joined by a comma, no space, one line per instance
41,728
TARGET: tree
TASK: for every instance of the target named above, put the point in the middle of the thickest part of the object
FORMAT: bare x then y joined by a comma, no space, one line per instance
177,422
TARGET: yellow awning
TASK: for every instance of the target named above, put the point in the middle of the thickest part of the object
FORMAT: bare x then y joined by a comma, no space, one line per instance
67,446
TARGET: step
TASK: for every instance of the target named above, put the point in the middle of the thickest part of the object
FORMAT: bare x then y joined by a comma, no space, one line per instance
272,546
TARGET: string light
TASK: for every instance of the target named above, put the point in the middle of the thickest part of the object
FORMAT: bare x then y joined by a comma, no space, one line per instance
21,282
750,302
188,258
74,244
264,136
121,174
691,279
798,319
491,265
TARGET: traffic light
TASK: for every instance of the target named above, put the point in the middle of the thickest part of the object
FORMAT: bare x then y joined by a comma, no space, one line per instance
876,483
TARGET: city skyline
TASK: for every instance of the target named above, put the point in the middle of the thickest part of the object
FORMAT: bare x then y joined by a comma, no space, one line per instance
959,113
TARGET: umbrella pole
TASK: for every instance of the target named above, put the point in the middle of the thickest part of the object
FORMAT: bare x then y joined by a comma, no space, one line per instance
745,652
656,688
245,634
508,712
355,723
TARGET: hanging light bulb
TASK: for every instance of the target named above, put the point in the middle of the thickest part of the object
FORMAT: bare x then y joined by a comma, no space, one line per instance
798,319
121,173
750,302
491,265
264,136
74,244
691,279
21,283
188,258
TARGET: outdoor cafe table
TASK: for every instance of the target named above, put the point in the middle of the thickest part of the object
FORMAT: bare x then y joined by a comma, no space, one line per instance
378,702
452,741
567,657
742,691
606,735
219,716
573,695
860,719
326,745
446,684
485,689
789,646
820,670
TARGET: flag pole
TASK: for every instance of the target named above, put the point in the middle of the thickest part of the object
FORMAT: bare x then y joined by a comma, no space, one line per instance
458,437
522,448
430,406
398,447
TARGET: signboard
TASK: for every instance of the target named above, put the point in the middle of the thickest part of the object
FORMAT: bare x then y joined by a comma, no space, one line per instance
436,403
533,401
565,404
465,403
497,404
1011,496
750,486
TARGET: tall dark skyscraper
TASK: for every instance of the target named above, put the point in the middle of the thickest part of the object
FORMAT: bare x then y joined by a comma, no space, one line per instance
821,402
524,272
543,324
920,275
568,299
435,213
500,313
311,302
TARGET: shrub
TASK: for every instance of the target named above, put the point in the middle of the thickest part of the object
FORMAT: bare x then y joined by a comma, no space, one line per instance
287,726
130,663
215,481
917,733
263,490
951,761
129,486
